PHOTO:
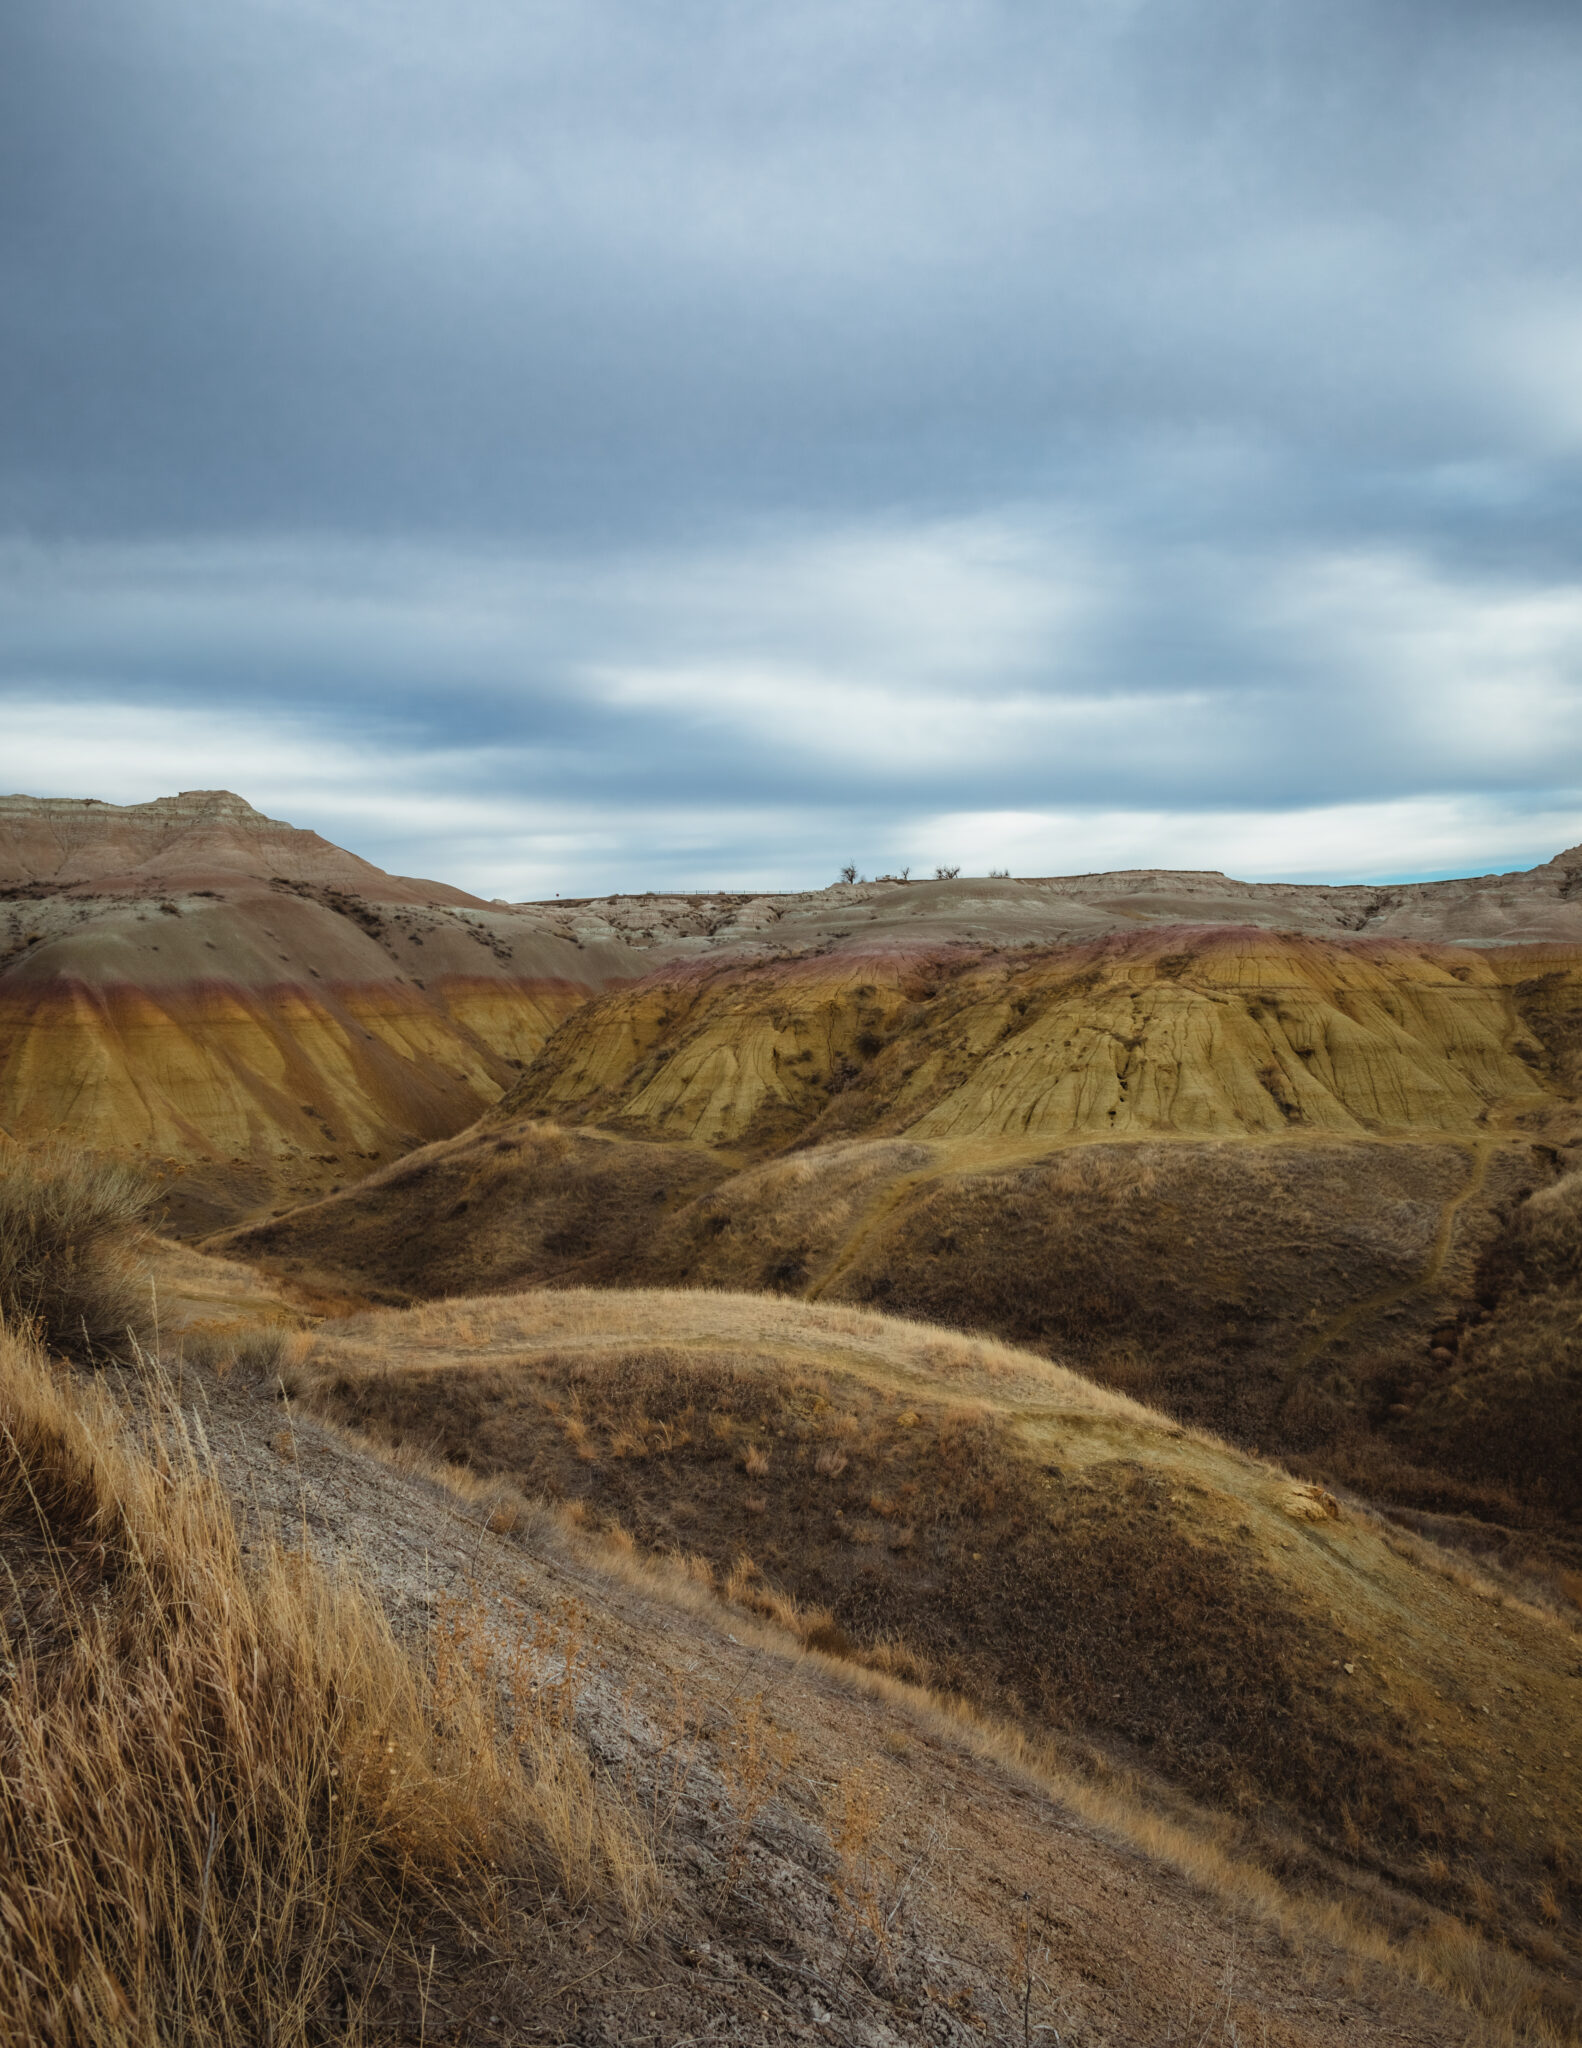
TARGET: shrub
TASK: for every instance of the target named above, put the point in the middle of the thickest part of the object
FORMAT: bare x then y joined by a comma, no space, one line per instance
257,1352
1542,1244
68,1231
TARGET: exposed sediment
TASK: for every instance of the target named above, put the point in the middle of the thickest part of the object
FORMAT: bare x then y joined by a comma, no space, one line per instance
250,1010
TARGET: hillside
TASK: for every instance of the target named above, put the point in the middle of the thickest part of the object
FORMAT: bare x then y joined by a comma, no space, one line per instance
1250,1177
1188,1633
249,1010
933,1677
1205,1033
352,1743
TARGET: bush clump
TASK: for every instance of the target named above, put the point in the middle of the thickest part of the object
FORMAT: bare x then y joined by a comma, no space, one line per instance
69,1225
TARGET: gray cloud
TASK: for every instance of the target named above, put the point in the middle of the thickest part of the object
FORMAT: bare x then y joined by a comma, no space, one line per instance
866,414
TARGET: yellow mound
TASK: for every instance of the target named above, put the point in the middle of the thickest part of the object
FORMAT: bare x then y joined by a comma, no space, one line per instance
1194,1034
274,1036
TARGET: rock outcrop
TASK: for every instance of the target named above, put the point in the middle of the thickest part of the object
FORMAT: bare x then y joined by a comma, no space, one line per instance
1196,1033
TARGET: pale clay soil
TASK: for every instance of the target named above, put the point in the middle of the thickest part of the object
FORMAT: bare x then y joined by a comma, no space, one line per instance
1129,1955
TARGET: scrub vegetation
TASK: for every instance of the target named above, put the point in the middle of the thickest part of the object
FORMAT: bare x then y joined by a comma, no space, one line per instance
68,1251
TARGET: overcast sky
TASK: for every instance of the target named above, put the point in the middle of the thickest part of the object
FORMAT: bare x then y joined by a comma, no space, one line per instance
582,444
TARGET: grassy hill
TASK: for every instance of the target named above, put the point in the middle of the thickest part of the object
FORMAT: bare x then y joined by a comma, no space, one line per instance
1143,1598
530,1663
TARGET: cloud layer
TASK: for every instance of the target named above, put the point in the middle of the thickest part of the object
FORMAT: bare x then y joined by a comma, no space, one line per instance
576,448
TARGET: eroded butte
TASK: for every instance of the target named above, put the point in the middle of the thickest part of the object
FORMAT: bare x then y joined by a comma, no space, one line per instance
252,1009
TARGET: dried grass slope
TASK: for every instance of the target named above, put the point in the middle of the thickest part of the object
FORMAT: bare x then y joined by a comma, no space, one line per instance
973,1518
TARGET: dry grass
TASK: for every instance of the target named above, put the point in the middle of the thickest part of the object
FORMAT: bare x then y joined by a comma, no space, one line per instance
1514,2004
753,1764
490,1208
885,1345
1363,1713
67,1251
257,1350
232,1808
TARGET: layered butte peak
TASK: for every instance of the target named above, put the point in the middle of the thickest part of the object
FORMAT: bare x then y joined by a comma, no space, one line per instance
79,842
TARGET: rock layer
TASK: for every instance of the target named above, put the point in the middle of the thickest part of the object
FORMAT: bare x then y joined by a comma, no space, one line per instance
249,1009
71,842
1203,1033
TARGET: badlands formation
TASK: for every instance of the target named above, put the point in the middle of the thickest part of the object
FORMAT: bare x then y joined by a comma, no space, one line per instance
1265,1167
1019,1440
263,1014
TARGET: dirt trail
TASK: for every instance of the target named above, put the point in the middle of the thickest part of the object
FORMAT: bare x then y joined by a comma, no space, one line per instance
878,1213
1385,1298
1131,1954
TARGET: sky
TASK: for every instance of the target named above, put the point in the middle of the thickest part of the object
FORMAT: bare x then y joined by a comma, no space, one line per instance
576,445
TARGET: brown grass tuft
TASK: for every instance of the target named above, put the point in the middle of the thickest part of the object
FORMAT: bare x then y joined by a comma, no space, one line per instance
68,1226
232,1807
